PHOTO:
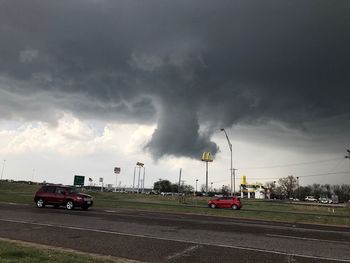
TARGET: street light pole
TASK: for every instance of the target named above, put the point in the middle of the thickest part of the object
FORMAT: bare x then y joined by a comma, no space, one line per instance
133,182
298,188
196,185
231,169
3,167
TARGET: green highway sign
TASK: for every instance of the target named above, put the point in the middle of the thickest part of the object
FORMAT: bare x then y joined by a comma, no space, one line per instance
79,180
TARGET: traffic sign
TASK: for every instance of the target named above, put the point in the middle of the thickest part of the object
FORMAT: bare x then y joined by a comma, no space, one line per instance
79,180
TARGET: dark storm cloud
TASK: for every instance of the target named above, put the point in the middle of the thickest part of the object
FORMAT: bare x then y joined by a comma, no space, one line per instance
192,66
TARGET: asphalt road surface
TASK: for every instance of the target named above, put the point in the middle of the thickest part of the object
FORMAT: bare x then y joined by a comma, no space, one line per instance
165,237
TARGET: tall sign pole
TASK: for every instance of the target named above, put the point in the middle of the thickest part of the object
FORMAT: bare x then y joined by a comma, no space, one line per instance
206,157
116,171
143,181
140,165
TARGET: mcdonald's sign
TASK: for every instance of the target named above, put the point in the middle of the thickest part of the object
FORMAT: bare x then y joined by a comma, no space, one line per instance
207,157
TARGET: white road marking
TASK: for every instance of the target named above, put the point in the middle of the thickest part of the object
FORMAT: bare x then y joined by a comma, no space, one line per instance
308,239
184,252
176,240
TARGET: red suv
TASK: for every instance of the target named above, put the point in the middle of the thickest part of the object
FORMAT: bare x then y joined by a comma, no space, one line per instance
226,202
59,195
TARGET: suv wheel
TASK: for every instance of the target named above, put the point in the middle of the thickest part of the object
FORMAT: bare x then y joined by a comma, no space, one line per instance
235,207
212,206
69,205
40,203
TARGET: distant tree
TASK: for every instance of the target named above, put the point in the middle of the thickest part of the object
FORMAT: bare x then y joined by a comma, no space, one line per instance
316,190
271,188
162,186
225,190
288,185
187,188
279,192
304,192
270,185
203,188
326,190
175,188
345,192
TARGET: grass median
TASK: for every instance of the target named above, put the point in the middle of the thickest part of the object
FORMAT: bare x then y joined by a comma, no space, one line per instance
252,209
17,251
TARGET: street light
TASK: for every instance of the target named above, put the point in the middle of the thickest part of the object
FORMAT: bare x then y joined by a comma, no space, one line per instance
233,176
196,185
298,188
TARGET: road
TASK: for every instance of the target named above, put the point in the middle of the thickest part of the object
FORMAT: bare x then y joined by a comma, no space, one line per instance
166,237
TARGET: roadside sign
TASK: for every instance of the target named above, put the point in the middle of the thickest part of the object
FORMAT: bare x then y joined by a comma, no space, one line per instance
101,180
79,180
207,157
140,164
117,170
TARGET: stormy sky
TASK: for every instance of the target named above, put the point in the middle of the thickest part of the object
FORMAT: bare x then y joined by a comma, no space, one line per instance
187,67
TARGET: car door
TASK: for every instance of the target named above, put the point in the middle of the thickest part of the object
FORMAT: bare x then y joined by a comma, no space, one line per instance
223,202
60,195
50,194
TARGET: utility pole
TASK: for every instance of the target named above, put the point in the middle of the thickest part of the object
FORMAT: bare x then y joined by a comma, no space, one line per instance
3,167
179,187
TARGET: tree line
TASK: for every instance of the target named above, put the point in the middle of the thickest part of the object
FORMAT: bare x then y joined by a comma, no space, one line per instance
288,187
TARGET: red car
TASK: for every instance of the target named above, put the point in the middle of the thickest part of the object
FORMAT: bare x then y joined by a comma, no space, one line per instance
226,202
59,195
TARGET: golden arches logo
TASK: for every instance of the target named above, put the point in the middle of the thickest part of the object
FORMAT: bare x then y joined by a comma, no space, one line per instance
207,157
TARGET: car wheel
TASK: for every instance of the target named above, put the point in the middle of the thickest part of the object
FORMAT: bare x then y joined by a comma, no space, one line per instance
69,205
235,207
212,206
40,203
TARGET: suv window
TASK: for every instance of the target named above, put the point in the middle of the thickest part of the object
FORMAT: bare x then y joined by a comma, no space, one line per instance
60,190
72,190
48,189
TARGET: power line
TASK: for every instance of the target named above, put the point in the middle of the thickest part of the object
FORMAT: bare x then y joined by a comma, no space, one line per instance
312,175
288,165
